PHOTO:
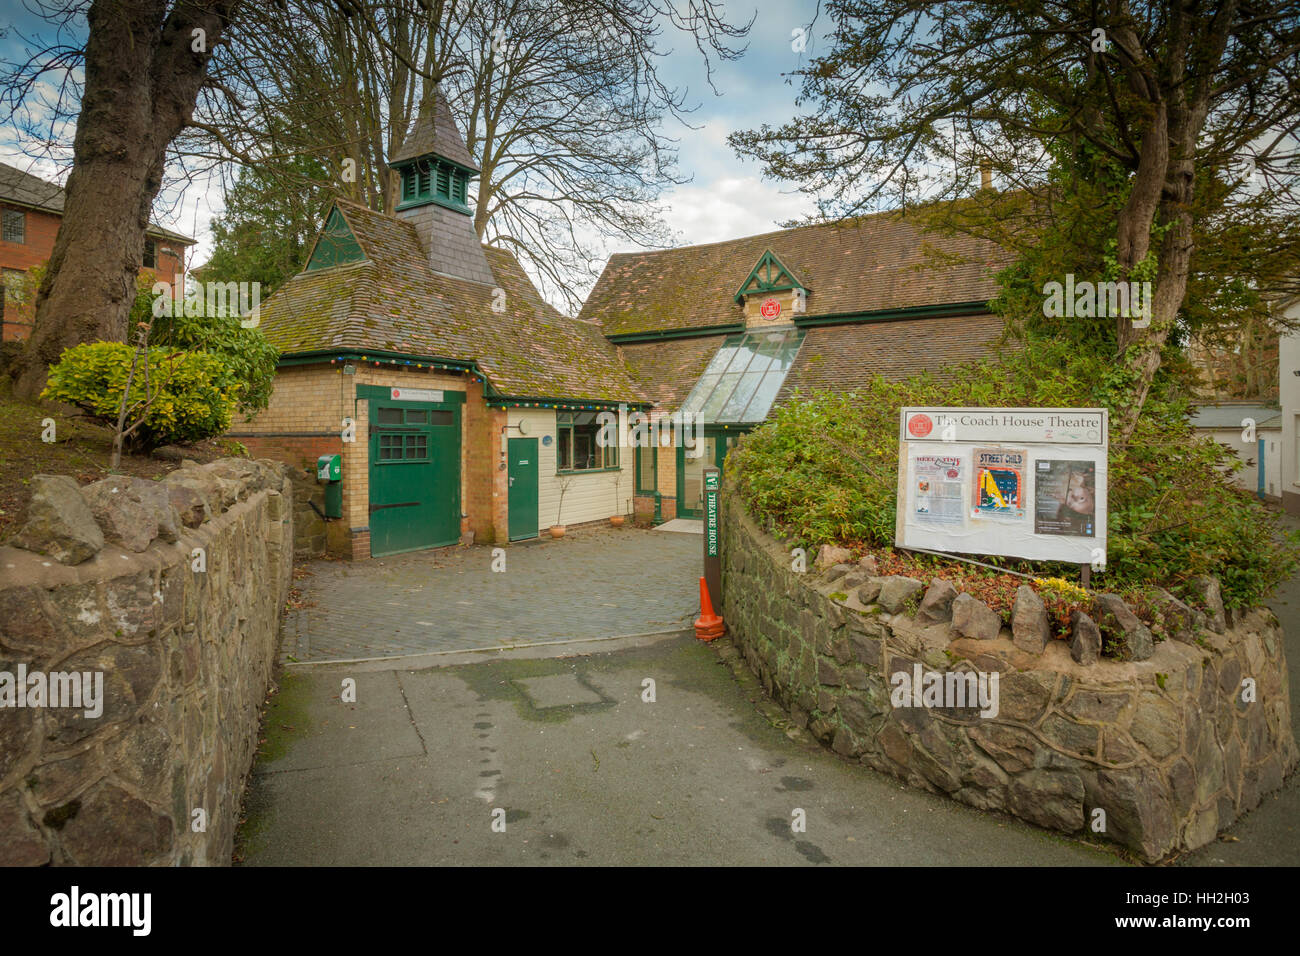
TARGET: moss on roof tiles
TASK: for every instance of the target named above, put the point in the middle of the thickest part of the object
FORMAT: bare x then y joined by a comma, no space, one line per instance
878,262
394,302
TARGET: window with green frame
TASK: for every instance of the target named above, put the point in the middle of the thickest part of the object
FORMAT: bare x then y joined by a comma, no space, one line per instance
578,441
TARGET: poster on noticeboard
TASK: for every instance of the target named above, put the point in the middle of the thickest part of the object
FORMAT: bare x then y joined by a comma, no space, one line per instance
1027,483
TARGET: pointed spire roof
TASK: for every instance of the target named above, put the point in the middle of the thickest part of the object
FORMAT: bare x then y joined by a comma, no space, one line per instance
434,133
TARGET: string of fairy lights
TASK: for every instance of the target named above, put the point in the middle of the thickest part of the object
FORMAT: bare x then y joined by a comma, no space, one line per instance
476,379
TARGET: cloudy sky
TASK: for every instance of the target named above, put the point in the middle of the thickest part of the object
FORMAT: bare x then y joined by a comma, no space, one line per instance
726,197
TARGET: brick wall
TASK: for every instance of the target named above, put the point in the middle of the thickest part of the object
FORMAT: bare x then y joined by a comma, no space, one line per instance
754,319
667,472
305,419
482,479
40,231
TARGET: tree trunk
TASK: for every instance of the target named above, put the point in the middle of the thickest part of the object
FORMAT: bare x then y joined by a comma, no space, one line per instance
1143,356
143,75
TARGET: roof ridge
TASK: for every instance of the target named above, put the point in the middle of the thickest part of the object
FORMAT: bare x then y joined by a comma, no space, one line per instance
829,224
50,197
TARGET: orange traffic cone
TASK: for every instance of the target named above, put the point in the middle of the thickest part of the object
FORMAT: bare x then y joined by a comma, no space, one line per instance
709,625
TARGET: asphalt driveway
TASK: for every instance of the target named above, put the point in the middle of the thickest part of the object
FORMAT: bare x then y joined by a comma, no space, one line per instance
583,770
557,740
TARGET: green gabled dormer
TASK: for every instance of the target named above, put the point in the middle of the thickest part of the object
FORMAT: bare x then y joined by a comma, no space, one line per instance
768,275
435,170
336,245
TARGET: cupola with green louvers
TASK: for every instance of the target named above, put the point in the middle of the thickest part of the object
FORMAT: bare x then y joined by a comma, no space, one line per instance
435,170
433,163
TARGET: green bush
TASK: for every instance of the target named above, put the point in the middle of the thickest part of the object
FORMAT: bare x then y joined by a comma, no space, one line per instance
824,468
197,399
248,357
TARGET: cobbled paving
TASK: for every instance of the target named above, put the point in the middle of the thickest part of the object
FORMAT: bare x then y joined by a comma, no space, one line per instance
591,583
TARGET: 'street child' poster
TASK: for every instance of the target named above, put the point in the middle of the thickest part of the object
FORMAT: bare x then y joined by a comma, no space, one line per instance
999,483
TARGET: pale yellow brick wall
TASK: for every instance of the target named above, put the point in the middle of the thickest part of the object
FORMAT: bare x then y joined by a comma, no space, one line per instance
305,398
755,319
311,398
668,472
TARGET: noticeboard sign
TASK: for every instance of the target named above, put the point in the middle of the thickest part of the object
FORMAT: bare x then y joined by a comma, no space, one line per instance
416,394
1020,482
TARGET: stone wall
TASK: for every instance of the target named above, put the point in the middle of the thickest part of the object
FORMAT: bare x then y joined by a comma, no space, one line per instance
310,529
1169,747
171,590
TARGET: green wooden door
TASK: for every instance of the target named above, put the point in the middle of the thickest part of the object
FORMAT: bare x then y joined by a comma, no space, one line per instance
414,475
522,500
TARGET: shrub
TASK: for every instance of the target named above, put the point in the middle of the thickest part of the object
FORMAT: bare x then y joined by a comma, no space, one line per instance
248,357
196,400
825,469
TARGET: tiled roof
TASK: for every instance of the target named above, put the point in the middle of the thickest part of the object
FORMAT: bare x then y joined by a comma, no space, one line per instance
25,189
1224,415
874,263
667,371
393,302
842,357
434,131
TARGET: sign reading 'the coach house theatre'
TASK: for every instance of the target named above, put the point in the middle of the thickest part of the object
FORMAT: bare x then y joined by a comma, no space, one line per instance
1020,482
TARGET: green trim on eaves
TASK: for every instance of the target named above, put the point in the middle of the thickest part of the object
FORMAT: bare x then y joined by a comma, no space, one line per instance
803,320
497,401
469,170
627,338
892,315
321,356
313,356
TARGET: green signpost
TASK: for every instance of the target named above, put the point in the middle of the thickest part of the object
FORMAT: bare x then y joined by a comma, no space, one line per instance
712,562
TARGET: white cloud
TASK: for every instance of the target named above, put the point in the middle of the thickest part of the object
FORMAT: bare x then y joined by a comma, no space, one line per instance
728,207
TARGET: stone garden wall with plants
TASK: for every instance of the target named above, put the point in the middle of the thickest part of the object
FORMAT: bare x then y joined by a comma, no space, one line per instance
138,629
1155,744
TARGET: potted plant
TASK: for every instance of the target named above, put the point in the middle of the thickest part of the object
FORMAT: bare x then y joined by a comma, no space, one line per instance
557,529
617,519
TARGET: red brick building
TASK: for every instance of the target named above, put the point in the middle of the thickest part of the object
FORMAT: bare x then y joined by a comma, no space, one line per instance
30,212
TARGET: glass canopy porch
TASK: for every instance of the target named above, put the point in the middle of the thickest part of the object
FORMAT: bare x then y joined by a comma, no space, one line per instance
735,391
742,380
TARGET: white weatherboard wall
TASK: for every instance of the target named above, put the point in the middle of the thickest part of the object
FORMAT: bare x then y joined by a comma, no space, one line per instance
1248,477
1289,392
590,497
